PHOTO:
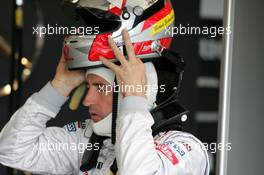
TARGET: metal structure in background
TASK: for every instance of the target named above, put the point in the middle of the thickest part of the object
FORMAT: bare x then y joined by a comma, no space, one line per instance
16,56
27,64
241,104
20,67
225,83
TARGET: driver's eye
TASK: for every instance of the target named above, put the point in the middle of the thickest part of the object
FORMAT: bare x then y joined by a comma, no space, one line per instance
104,89
87,88
101,88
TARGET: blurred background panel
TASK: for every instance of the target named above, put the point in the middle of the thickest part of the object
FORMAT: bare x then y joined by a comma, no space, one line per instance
241,104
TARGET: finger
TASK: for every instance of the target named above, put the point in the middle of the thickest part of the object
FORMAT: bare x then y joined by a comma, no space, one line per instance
109,64
62,59
62,62
139,60
117,52
129,45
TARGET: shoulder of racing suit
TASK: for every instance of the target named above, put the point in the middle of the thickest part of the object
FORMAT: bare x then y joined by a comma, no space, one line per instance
182,149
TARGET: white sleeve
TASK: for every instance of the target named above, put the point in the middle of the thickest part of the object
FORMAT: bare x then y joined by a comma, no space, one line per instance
26,143
138,153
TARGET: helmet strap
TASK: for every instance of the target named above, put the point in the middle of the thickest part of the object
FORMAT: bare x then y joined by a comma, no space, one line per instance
114,112
90,156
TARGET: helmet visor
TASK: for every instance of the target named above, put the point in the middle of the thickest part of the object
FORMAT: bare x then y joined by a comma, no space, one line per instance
91,13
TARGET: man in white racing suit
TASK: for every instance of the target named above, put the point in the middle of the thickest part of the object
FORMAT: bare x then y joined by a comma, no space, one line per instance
27,144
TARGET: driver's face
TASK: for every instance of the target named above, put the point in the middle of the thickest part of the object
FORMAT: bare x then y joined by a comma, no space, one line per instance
98,101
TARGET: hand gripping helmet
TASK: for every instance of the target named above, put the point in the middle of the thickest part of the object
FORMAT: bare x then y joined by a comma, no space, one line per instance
146,21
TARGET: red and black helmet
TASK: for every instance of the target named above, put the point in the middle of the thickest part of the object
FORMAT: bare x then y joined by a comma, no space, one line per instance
145,20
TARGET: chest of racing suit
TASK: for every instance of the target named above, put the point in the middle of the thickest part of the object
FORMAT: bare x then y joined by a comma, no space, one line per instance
27,144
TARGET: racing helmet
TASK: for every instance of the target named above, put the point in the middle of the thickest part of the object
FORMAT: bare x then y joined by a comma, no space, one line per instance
145,20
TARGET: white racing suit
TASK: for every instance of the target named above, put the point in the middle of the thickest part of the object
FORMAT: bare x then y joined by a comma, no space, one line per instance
27,144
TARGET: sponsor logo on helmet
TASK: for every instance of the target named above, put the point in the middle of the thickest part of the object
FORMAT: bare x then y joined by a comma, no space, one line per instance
163,23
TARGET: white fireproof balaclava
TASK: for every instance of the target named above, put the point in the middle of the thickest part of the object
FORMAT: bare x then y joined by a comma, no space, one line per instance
104,126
